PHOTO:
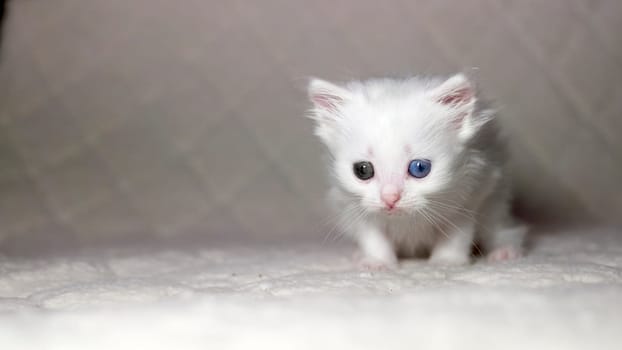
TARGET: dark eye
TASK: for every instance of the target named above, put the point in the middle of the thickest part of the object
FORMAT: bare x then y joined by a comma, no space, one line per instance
363,170
419,168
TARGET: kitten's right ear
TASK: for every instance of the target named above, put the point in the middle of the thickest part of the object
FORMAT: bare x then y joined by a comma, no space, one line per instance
326,97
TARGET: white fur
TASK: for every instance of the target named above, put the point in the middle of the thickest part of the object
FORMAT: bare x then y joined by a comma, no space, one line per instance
390,122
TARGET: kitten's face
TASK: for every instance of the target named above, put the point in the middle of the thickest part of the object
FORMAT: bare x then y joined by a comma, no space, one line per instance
395,148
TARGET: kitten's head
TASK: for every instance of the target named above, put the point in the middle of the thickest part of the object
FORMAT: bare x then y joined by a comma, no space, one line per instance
396,144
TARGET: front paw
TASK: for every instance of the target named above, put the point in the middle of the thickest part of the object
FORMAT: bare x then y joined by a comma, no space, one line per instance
450,258
504,254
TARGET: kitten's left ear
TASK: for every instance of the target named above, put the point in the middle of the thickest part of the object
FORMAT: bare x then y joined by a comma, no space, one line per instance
458,94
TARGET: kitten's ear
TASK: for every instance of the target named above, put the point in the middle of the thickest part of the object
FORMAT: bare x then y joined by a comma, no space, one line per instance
327,99
458,94
325,96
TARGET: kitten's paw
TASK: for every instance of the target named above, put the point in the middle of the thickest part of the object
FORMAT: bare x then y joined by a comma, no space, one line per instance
505,253
450,259
375,264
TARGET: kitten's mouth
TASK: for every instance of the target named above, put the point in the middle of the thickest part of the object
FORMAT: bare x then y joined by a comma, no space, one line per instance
392,210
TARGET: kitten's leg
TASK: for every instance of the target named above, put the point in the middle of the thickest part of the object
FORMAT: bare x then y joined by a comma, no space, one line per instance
506,243
500,234
377,249
454,248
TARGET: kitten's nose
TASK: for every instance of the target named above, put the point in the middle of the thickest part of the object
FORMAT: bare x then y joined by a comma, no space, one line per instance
390,194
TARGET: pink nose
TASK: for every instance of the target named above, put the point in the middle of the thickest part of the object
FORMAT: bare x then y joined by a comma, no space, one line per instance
390,195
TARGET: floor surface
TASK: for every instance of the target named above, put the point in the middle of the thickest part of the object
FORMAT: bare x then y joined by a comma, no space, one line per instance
566,294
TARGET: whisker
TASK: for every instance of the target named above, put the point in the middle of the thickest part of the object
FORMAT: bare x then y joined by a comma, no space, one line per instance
450,223
355,220
434,223
455,210
338,220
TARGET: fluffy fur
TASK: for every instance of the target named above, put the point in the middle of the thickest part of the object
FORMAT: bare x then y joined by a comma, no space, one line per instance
389,122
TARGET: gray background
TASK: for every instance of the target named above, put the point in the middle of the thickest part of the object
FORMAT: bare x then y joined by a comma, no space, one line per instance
150,118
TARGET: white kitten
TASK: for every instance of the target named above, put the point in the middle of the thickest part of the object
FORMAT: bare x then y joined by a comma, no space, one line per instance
418,165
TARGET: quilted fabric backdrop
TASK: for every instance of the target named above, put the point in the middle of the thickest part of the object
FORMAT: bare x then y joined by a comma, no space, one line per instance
157,118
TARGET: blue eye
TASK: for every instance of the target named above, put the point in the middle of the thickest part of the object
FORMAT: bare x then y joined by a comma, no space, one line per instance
419,168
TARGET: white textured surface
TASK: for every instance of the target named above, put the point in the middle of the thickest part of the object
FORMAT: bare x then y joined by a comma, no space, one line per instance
567,294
